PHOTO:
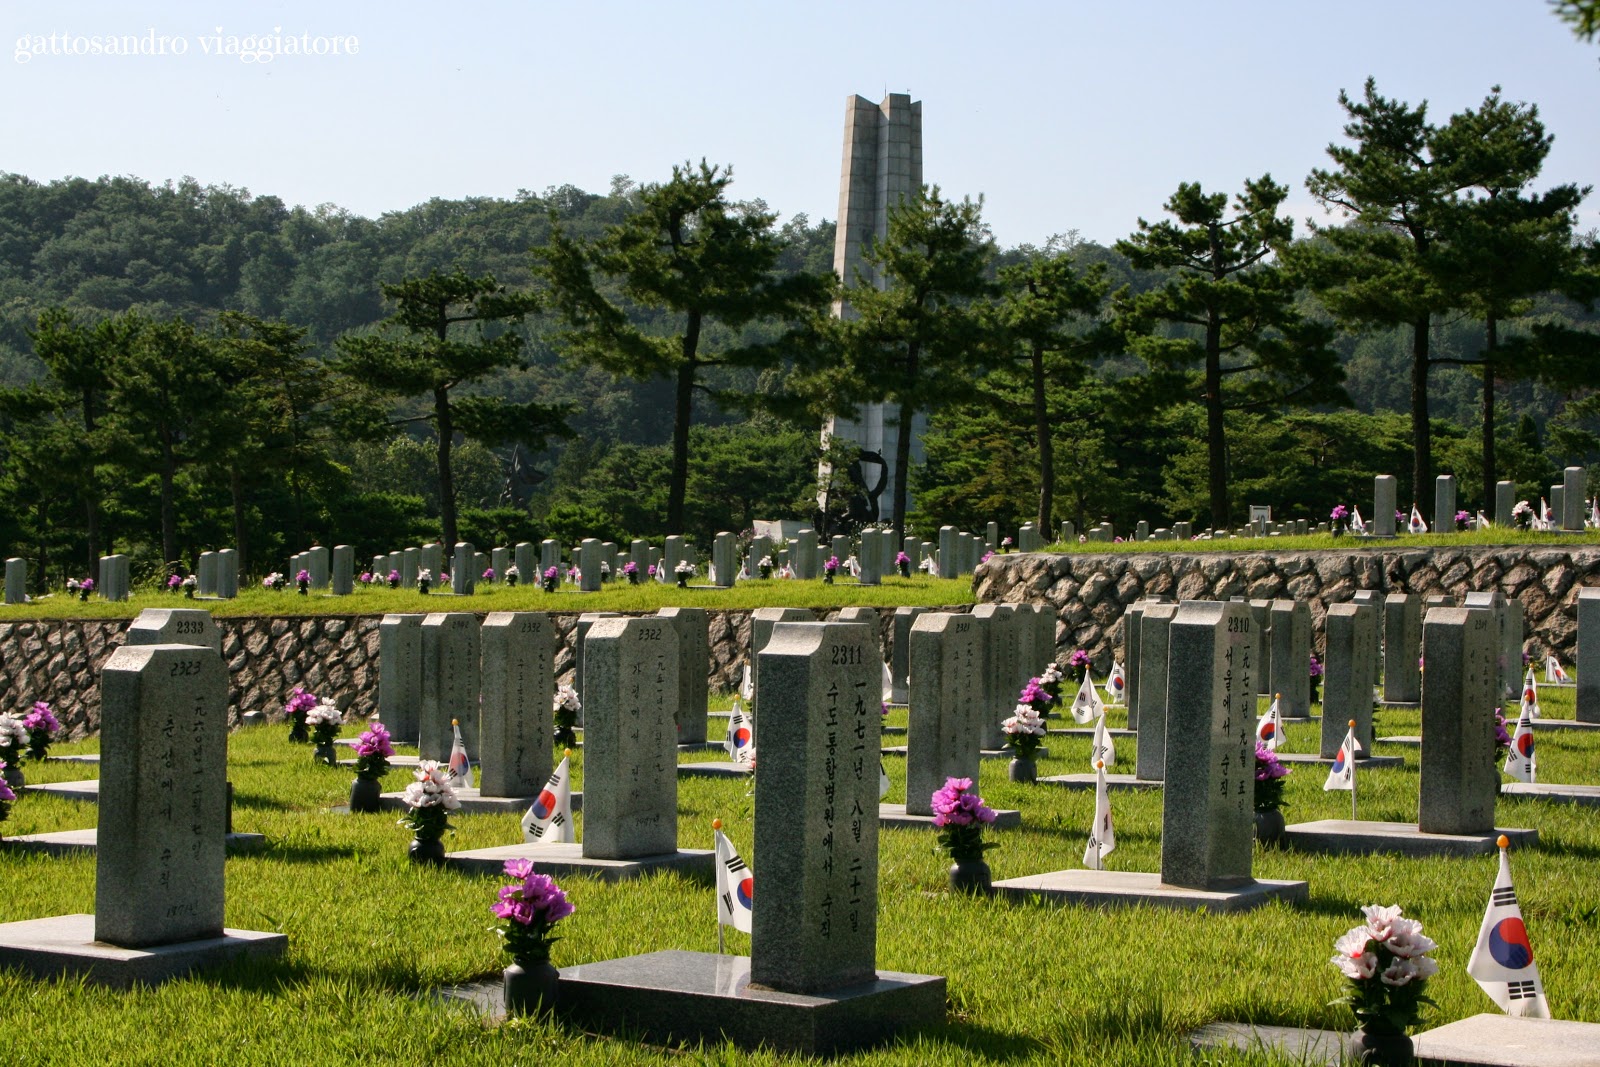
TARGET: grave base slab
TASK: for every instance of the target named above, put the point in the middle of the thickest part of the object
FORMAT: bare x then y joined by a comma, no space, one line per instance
81,757
1406,740
1294,1043
1088,731
87,791
473,803
1495,1040
895,816
1042,752
71,842
1362,762
65,945
714,769
675,996
1114,782
1584,795
1134,888
564,859
1358,837
1563,724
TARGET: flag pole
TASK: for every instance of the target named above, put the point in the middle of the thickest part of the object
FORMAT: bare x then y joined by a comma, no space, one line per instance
1352,771
1099,863
716,824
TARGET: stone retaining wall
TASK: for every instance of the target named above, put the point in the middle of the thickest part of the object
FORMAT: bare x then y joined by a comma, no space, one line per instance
1089,592
332,655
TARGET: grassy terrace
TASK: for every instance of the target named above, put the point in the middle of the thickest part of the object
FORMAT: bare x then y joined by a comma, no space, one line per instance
371,936
1326,542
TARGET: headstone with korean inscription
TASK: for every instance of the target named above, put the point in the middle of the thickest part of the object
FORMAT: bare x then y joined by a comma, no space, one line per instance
344,565
900,652
1291,657
947,704
1347,677
175,626
1459,779
762,621
630,744
816,809
1155,636
1002,665
450,683
1370,602
1207,826
724,559
1132,622
871,618
463,575
518,663
549,556
694,667
317,564
400,676
589,565
17,580
1402,645
206,575
227,573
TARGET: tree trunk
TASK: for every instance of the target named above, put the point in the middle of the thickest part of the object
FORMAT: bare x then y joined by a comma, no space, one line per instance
1491,343
241,529
447,482
169,509
1216,430
902,441
1421,432
1047,463
91,503
682,415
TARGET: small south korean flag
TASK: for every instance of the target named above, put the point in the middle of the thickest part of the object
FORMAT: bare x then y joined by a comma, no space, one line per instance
888,684
1356,523
1553,674
1530,696
1416,525
1117,684
1087,704
740,744
1103,753
460,765
1269,728
549,820
883,781
1342,775
736,884
747,684
1102,835
1520,763
1502,962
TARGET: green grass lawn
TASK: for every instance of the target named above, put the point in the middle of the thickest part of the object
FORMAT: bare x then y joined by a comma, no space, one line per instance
370,935
918,590
1325,542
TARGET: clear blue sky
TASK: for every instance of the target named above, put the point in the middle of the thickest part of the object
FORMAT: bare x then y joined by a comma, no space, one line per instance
1065,116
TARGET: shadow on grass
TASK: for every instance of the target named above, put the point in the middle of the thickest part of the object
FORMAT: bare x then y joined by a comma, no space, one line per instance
257,802
305,853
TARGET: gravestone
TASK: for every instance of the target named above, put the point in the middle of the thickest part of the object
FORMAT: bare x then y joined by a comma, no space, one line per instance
431,559
1573,485
871,558
1402,642
1383,505
175,626
500,562
1069,532
816,796
1132,625
463,577
639,553
522,558
1028,539
630,749
450,683
1002,670
1291,657
589,565
1155,637
1505,498
762,622
991,535
1459,779
947,704
518,666
317,561
227,574
1261,630
1347,677
480,564
1207,820
1588,694
580,630
16,580
400,676
724,559
912,547
1044,635
344,565
549,556
1141,530
760,548
949,564
113,577
672,556
804,555
608,556
1557,504
410,563
839,548
900,653
694,665
1181,531
1371,600
1508,647
1444,503
206,575
870,617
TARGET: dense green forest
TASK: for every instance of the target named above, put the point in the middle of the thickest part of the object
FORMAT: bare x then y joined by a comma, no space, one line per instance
187,367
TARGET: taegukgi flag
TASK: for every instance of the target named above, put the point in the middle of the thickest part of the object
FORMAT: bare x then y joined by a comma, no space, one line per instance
888,684
1502,961
1102,835
736,886
1117,684
1087,704
460,766
740,744
1416,525
1342,775
883,781
747,685
1269,728
1356,525
1553,672
1104,750
549,819
1530,695
1520,763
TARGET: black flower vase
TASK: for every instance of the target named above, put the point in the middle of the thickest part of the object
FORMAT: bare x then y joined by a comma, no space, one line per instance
905,570
971,877
1316,690
324,753
422,587
188,592
394,583
531,987
549,585
1023,769
1269,826
1373,1047
428,851
511,580
683,581
297,733
13,776
766,572
827,579
83,595
633,579
364,794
